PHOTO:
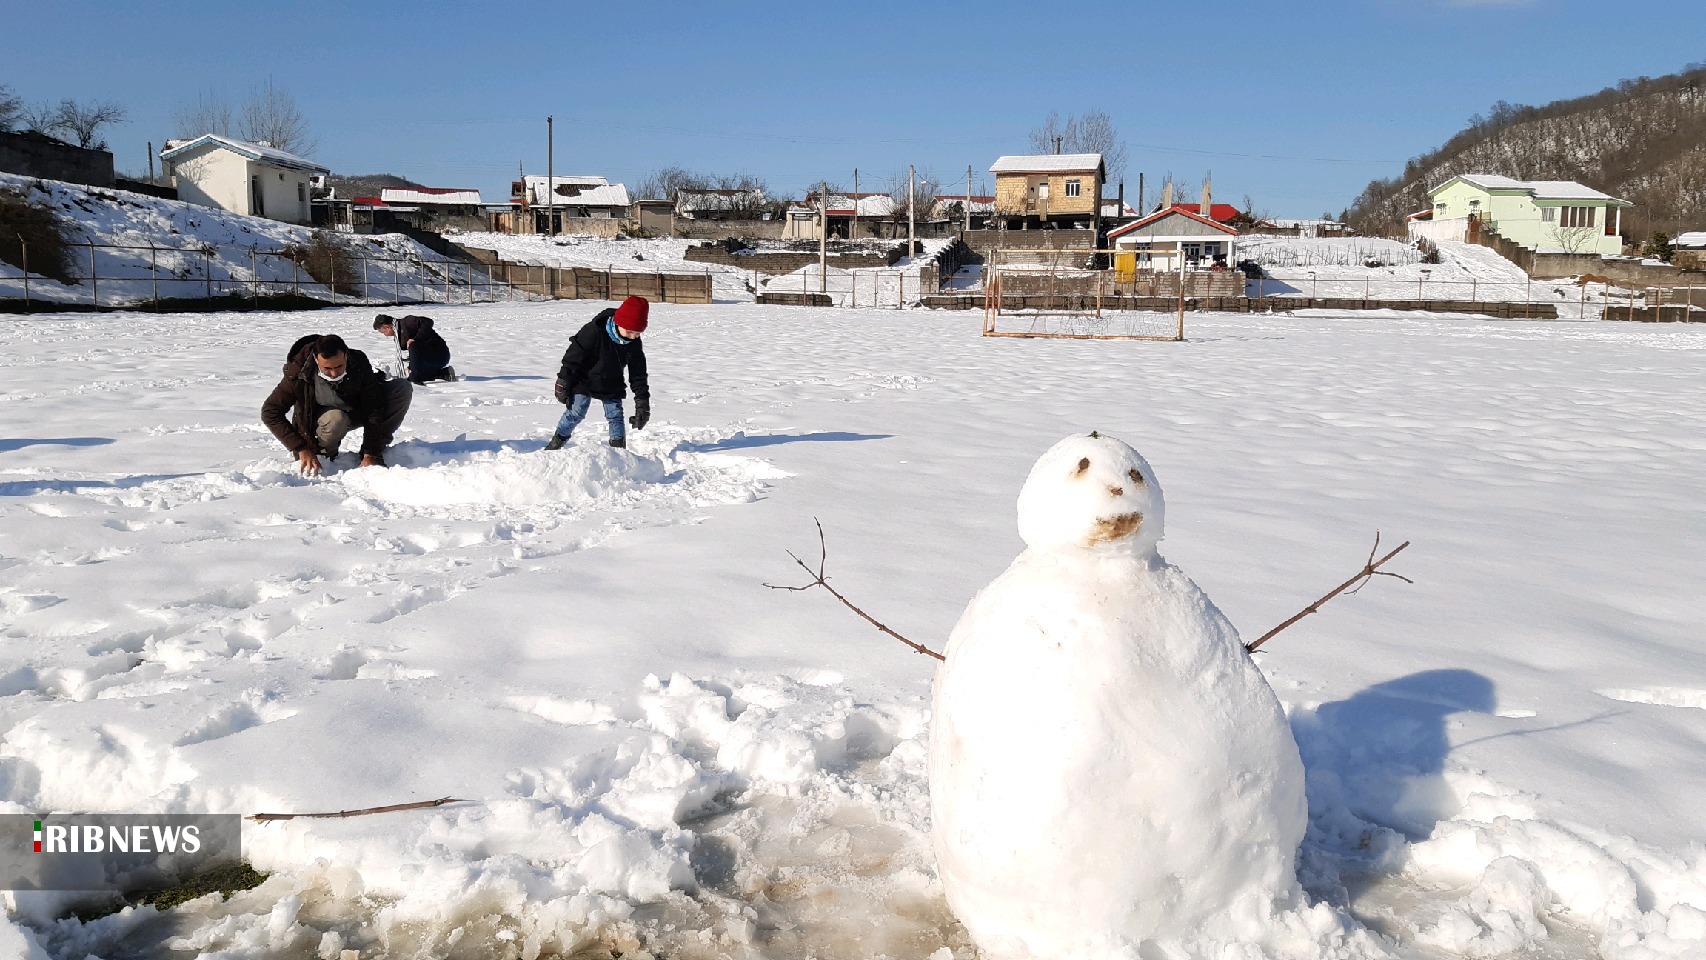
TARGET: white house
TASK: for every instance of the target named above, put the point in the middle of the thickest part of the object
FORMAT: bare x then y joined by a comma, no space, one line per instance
802,218
593,197
252,179
1159,239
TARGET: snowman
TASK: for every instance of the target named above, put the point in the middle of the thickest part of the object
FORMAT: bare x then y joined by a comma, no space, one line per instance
1107,765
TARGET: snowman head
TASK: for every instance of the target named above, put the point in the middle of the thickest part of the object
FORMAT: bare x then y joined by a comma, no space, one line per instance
1093,493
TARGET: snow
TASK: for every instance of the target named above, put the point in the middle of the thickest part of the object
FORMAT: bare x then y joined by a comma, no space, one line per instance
208,250
1339,267
663,255
1108,767
892,286
1047,163
656,752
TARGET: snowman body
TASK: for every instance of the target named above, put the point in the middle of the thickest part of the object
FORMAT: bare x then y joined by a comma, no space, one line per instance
1107,764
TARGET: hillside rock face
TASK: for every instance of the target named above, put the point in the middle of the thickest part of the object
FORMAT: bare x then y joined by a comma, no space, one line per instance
1642,140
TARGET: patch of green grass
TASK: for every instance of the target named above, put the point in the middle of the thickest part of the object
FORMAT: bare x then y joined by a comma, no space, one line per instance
223,880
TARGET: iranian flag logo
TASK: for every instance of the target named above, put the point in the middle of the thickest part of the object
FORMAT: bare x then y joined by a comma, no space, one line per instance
38,836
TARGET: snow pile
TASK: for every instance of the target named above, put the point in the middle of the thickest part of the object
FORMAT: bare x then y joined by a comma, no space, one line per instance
205,249
1108,768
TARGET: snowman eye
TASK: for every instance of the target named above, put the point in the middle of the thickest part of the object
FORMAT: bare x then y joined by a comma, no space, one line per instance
1136,478
1116,491
1083,464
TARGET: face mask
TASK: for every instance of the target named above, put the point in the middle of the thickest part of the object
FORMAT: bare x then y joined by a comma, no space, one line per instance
337,379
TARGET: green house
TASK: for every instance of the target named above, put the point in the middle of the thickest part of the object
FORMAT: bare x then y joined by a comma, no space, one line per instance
1544,215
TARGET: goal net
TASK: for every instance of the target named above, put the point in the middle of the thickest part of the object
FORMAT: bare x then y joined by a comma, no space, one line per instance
1084,294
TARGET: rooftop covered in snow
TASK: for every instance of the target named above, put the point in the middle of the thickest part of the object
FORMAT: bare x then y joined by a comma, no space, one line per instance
1048,163
1539,189
254,151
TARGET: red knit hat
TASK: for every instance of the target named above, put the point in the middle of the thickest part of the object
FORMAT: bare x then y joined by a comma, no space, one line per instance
631,315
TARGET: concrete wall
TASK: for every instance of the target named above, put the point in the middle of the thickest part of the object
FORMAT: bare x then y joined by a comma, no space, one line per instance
284,193
1625,271
29,156
213,178
724,229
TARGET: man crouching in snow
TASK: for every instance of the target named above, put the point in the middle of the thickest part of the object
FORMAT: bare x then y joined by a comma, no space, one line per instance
328,389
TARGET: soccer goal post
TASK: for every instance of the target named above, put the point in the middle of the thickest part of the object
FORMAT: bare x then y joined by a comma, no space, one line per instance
1129,293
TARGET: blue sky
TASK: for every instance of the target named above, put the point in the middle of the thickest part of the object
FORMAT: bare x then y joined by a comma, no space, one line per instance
1295,104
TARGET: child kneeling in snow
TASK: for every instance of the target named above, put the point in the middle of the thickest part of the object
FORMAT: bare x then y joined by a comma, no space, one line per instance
592,370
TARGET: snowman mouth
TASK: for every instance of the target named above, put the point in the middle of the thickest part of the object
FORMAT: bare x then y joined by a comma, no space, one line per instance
1113,528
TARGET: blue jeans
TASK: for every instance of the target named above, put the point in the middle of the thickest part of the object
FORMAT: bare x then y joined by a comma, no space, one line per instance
577,412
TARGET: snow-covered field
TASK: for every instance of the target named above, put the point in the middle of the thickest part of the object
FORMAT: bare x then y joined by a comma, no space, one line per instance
1380,269
659,754
144,247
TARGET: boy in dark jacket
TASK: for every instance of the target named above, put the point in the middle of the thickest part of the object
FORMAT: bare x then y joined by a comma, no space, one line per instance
327,390
429,355
592,370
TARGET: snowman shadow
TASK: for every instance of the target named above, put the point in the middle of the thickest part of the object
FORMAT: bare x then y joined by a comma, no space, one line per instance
1375,764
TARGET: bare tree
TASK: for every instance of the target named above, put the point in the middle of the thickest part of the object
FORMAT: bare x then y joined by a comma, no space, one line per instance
82,122
1573,239
1092,132
41,117
210,113
11,108
271,116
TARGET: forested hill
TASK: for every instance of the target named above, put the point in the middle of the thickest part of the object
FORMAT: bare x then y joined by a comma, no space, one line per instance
1642,140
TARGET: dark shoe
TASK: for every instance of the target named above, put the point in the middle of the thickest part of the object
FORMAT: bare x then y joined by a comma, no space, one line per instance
619,442
449,374
556,442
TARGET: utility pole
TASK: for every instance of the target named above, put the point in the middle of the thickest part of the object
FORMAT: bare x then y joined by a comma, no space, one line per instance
550,179
1057,140
968,197
1141,208
911,213
823,236
150,161
853,234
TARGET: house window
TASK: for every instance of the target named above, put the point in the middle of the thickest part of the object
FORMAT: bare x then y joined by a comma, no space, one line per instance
1548,214
1577,217
1072,188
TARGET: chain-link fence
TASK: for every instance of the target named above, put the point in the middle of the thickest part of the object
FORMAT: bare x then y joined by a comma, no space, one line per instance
105,275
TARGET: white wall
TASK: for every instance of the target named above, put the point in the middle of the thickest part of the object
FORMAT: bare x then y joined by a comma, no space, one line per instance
213,177
216,177
1451,228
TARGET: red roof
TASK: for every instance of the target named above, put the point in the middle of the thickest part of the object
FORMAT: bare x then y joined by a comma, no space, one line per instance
367,201
1218,212
1170,211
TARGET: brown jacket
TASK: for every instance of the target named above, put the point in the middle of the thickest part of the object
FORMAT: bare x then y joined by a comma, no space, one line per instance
361,388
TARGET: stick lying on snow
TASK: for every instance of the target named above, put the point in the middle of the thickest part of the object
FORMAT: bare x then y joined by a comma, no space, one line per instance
1369,571
818,580
393,808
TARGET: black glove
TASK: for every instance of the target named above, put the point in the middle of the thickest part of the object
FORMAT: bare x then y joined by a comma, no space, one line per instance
561,391
642,413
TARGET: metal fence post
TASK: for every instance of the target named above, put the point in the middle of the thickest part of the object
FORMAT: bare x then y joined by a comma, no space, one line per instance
207,271
94,278
296,278
396,272
154,272
254,277
333,286
365,293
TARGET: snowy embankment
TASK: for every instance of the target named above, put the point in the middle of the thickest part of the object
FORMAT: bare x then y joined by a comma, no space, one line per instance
145,247
1379,269
626,255
658,753
893,286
